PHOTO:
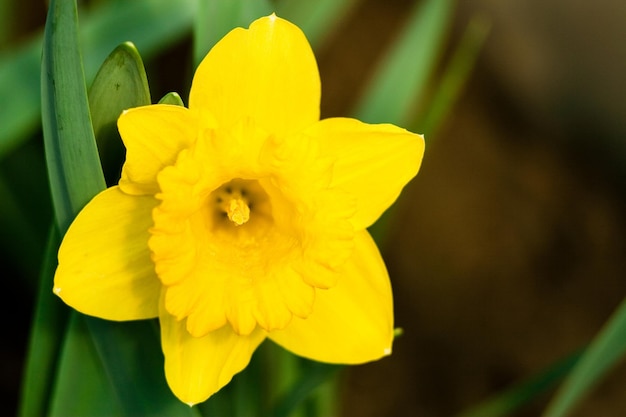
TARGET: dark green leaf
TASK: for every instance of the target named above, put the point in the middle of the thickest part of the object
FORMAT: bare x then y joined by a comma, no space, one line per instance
49,324
113,369
131,355
82,387
72,158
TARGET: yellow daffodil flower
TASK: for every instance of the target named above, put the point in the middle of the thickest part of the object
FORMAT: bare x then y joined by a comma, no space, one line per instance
243,218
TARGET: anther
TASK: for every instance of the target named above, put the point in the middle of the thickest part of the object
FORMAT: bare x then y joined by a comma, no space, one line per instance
238,211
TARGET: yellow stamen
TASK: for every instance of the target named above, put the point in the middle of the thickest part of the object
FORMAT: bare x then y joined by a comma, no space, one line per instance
238,211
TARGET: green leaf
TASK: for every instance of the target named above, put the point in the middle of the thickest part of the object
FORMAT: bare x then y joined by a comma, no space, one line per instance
72,159
113,368
82,387
604,352
456,74
400,81
152,25
310,377
120,84
49,324
71,154
132,357
317,19
172,98
215,18
511,400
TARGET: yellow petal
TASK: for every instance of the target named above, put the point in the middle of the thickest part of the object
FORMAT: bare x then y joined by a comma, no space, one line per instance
351,322
197,367
153,136
105,268
373,162
267,73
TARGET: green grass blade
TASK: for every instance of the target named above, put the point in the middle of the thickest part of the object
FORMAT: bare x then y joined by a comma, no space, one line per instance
49,323
215,18
604,352
400,81
317,19
509,401
455,76
120,84
150,24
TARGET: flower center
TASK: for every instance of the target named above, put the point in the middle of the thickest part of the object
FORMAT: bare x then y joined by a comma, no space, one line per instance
233,203
238,211
237,206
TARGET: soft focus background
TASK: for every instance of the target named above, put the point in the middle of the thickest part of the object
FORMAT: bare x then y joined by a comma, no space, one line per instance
506,253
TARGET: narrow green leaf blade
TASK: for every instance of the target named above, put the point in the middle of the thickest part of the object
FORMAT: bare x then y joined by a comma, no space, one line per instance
399,82
72,158
120,84
130,353
82,387
113,369
509,401
216,18
606,349
455,76
313,375
317,19
46,337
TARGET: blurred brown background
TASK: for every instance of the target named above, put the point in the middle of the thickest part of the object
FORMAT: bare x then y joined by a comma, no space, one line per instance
508,250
